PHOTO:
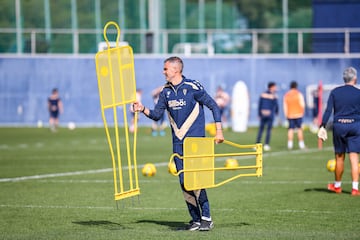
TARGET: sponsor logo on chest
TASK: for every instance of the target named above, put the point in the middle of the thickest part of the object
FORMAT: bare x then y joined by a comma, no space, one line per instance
177,103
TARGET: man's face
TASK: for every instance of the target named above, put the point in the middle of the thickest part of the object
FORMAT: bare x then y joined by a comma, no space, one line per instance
170,71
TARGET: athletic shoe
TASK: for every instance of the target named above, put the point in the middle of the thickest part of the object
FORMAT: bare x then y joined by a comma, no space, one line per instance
332,188
193,226
206,225
355,192
302,145
267,147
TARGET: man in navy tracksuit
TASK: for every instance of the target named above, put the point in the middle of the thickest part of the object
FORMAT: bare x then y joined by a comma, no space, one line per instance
184,100
344,103
267,110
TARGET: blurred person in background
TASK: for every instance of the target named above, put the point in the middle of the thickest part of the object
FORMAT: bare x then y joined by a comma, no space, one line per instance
55,108
268,108
158,127
223,99
294,110
314,126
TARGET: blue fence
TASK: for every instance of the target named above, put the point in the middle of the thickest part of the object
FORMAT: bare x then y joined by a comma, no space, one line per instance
26,82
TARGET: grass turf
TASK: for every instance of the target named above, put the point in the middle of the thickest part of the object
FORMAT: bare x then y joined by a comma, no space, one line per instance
60,186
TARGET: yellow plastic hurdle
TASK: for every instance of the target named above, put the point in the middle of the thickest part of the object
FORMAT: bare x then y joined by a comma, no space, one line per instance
199,162
117,91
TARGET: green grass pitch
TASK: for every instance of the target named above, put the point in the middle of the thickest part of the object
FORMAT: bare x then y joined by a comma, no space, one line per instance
60,186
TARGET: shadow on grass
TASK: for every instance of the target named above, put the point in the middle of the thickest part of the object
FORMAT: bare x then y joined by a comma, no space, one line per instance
101,223
180,226
176,226
322,190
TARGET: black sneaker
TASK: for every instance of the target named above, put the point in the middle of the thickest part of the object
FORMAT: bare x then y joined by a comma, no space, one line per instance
206,225
193,226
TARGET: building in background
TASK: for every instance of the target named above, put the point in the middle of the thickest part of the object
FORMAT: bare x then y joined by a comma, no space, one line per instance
339,14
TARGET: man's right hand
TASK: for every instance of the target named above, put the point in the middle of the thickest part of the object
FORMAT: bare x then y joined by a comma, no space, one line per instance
322,134
137,106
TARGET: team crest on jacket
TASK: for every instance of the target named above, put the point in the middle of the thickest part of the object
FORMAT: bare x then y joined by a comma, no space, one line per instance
184,91
168,94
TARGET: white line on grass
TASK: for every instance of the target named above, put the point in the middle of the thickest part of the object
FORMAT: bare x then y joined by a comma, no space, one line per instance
285,211
52,207
53,175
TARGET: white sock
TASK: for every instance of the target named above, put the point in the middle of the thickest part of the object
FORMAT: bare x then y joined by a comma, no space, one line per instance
290,144
301,144
355,185
206,218
337,184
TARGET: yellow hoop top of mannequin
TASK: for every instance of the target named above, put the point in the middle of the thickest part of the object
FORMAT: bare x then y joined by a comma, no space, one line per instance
108,24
